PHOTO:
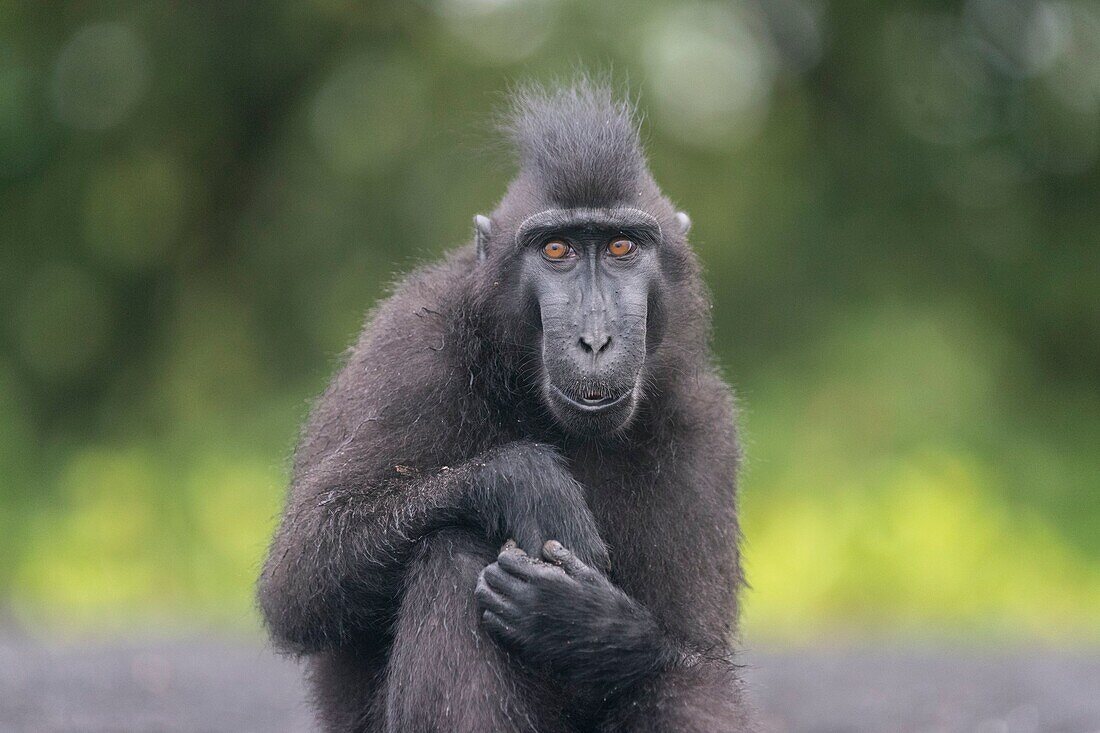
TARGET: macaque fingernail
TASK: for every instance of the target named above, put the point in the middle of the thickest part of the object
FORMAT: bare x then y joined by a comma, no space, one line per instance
554,546
509,545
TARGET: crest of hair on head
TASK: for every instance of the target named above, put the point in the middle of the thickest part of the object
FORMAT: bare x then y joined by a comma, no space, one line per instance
579,143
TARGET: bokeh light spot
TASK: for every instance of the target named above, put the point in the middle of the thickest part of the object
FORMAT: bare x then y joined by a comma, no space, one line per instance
1075,75
500,31
1021,37
711,70
99,76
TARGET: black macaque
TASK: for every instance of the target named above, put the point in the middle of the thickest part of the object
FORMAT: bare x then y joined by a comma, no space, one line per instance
514,507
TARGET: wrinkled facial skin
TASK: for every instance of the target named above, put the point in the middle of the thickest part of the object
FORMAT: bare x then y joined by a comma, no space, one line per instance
593,311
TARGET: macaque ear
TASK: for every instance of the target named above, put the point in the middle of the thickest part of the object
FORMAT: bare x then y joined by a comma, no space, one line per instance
483,229
683,221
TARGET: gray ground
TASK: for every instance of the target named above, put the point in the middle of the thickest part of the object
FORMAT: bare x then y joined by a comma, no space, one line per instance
215,685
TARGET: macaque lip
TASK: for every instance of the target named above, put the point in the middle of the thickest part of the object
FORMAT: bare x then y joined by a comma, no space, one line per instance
592,403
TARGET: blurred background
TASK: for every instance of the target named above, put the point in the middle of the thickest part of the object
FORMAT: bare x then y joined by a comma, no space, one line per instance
897,208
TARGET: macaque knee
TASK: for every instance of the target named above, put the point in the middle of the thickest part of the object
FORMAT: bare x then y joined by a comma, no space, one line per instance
443,672
451,553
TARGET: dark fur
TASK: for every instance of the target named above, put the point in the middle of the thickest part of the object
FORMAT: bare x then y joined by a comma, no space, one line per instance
579,143
431,447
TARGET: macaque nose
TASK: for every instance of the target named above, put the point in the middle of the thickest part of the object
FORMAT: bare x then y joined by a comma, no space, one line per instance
595,343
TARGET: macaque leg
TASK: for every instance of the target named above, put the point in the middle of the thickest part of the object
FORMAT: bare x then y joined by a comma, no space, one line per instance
444,672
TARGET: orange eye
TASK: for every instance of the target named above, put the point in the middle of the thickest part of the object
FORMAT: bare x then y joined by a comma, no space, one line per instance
555,250
621,247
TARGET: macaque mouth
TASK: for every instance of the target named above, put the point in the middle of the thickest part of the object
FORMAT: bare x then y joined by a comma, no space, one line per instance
592,401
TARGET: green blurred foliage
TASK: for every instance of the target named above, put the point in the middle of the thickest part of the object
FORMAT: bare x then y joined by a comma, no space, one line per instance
896,205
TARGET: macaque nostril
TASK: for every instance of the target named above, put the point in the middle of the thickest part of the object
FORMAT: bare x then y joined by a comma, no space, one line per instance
595,344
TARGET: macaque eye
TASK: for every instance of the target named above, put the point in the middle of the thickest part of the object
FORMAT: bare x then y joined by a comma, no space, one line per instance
621,247
556,250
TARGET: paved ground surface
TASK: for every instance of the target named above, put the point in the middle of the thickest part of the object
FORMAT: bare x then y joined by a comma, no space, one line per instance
213,685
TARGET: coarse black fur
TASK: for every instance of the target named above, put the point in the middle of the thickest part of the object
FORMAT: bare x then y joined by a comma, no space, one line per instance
433,446
579,143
